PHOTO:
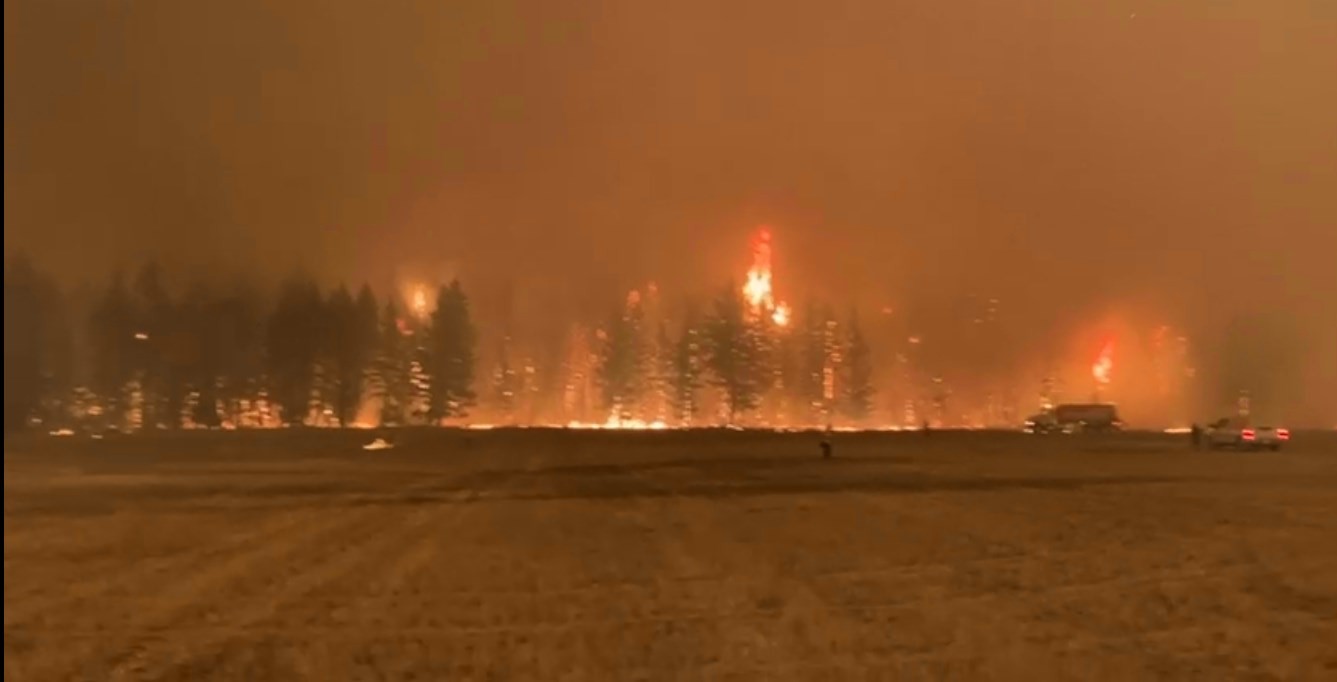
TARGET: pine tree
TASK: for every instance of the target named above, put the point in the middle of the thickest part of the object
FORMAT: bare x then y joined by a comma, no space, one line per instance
857,376
736,353
293,344
155,324
452,342
241,349
367,332
662,373
56,359
344,359
580,369
617,365
201,327
23,344
506,383
640,376
393,366
113,339
686,375
810,366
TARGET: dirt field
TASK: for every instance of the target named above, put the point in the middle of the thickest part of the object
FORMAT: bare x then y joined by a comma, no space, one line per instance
709,555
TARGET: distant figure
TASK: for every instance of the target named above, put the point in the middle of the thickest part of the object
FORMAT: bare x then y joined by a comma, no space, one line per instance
826,443
927,428
1195,433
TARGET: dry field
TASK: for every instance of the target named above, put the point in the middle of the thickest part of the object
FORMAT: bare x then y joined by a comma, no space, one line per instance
551,555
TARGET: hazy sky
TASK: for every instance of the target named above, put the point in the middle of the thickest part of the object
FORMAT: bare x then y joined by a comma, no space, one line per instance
1173,156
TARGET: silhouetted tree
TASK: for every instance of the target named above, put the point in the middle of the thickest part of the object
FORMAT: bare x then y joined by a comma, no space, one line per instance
856,386
113,340
392,365
56,358
686,374
161,390
293,344
452,340
346,355
366,329
240,347
617,364
736,353
819,348
23,343
200,324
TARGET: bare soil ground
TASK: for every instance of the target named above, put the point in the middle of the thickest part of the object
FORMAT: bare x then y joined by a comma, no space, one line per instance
550,555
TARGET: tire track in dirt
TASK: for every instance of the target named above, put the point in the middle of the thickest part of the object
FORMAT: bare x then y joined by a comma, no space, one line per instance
137,576
1035,600
176,600
407,545
370,518
779,608
162,658
389,560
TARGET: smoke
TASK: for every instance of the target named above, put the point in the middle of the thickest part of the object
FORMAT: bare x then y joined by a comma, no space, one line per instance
1060,158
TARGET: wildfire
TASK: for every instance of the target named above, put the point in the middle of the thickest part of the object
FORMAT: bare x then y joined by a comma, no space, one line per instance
418,301
1104,364
758,289
615,422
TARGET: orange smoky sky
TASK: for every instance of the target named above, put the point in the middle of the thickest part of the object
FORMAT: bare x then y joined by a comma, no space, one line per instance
1152,160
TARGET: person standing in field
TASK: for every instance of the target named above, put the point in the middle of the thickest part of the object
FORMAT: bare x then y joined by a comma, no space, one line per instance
1195,434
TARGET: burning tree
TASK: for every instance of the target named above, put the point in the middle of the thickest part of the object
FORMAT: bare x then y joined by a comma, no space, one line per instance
506,382
1102,369
686,374
619,359
856,380
580,367
736,353
814,384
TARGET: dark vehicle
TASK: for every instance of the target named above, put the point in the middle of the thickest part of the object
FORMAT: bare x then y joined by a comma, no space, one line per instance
1076,418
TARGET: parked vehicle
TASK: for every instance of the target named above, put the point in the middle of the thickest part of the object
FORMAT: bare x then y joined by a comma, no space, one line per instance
1075,418
1239,433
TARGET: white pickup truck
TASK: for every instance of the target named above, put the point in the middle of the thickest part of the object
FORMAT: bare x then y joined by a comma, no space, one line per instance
1240,434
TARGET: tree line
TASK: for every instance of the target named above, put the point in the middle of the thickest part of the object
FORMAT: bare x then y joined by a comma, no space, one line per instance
812,371
210,357
302,355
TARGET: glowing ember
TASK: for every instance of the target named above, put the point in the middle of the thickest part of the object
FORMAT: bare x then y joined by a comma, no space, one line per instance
1104,364
142,336
780,316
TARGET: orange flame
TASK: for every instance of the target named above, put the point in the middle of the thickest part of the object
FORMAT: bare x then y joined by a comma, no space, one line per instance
418,301
758,289
1104,364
